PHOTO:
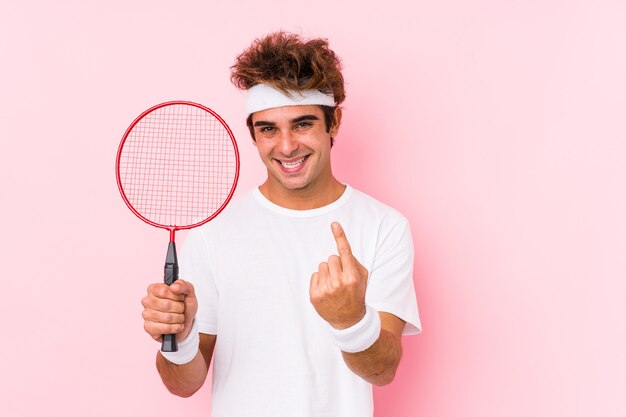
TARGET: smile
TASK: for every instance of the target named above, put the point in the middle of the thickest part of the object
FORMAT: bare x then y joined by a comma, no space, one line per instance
292,166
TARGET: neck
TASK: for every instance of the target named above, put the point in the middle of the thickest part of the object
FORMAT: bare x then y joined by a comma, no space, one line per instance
307,198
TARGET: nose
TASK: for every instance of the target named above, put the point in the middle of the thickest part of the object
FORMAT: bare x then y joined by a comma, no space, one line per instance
287,143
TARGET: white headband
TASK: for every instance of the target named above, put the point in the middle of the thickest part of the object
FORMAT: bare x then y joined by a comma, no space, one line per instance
263,97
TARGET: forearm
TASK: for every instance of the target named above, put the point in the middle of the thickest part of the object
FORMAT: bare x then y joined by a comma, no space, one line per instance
378,363
182,380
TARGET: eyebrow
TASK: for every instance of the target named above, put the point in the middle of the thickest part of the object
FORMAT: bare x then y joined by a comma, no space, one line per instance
264,123
303,118
292,121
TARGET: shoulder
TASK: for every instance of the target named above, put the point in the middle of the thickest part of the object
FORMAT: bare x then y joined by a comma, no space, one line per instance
376,210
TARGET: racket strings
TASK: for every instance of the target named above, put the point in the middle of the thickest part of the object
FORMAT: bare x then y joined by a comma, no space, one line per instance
178,165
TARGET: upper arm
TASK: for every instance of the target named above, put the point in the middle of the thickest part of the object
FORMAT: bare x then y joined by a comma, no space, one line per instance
390,285
207,346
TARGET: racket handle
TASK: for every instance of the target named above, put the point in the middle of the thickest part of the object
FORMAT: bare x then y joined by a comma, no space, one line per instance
171,274
169,343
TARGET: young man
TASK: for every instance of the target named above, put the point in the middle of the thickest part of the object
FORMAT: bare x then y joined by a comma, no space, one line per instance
300,290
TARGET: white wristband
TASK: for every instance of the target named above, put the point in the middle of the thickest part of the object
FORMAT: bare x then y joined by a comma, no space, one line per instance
187,349
360,336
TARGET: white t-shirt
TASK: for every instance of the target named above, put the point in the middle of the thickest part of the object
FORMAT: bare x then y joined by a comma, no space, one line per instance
251,268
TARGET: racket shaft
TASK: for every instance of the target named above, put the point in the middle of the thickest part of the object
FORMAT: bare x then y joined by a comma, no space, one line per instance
171,274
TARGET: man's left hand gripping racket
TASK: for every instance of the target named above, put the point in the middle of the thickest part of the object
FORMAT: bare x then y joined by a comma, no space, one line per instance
177,168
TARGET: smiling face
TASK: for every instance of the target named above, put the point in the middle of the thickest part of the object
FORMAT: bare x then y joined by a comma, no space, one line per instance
294,145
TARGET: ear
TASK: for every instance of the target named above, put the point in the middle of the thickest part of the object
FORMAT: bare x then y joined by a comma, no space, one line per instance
251,129
334,129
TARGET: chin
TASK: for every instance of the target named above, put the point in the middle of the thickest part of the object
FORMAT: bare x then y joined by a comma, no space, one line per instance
292,185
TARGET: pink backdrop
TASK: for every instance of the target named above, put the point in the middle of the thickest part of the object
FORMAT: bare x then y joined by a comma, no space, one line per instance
497,127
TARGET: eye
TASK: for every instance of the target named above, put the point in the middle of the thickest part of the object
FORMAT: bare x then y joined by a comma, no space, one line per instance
267,130
303,125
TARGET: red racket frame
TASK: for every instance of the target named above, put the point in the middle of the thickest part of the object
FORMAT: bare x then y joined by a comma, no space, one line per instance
171,229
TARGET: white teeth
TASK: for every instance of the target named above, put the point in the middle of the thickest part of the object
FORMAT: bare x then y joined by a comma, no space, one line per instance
292,165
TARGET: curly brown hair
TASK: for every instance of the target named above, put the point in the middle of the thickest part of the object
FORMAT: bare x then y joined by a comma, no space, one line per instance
288,62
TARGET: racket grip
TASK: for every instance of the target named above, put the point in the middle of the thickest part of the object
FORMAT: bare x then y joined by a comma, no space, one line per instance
169,343
170,275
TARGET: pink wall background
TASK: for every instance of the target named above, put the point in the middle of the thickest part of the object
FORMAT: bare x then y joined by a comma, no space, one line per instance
497,127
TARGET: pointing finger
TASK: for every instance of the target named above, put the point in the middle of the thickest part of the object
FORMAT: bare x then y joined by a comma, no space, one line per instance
343,246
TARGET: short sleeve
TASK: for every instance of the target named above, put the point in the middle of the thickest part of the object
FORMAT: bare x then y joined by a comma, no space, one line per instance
195,267
390,286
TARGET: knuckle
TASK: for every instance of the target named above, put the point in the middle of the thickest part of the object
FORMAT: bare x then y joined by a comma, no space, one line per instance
178,307
149,328
167,318
161,304
175,318
173,328
163,291
167,305
154,288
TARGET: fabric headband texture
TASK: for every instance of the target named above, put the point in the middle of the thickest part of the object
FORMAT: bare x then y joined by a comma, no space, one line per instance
263,97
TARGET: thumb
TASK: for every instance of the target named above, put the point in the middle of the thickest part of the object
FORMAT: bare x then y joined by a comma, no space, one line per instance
182,287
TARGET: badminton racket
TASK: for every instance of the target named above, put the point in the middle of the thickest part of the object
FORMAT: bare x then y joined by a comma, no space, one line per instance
177,168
